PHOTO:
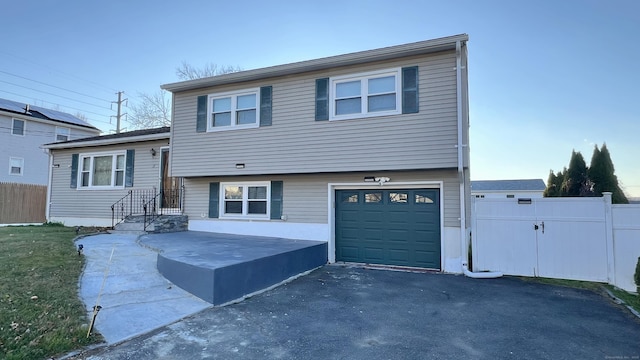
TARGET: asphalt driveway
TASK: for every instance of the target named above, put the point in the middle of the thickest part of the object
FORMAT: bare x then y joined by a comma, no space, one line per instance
339,312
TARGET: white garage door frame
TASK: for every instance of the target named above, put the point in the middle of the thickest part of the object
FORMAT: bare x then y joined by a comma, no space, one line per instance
332,187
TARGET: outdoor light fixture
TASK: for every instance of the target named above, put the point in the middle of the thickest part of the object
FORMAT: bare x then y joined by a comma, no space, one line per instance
153,152
239,166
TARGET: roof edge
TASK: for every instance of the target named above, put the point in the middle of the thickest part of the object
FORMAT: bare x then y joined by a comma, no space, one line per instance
385,53
111,141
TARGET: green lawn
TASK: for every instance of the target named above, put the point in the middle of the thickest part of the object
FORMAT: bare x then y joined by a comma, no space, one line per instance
40,312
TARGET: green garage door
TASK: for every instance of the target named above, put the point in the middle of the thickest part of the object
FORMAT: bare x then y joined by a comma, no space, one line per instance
390,227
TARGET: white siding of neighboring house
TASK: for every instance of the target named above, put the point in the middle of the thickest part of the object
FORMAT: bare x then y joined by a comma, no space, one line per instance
503,194
93,207
28,147
295,143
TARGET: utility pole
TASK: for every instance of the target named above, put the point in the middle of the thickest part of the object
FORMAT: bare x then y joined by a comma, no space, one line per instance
119,111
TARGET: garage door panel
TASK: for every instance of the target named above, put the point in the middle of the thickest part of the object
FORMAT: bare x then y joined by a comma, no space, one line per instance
395,227
426,258
373,255
401,255
349,252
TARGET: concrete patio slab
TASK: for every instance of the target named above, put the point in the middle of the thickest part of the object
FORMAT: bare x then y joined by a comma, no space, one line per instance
220,268
135,297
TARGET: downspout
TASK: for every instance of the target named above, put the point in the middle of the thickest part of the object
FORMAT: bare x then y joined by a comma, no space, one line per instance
48,204
462,180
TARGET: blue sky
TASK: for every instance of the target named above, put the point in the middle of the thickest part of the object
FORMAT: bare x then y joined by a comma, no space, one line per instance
546,76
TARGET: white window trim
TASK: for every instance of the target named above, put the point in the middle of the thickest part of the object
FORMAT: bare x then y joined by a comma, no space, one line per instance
24,127
333,81
58,132
234,96
245,195
21,160
114,159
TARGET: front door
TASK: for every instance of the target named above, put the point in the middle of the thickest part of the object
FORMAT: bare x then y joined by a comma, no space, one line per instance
169,186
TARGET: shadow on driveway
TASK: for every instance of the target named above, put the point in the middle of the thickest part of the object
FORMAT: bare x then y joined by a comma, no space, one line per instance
339,312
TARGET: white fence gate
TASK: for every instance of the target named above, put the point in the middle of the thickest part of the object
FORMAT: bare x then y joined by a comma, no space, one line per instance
565,238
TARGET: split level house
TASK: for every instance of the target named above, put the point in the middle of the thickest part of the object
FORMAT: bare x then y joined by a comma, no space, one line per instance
367,151
24,129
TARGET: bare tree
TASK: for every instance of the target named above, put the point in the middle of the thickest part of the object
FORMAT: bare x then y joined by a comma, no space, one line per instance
81,116
154,110
187,71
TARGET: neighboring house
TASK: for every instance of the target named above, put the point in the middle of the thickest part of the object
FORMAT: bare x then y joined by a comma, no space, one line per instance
23,130
500,189
367,151
89,175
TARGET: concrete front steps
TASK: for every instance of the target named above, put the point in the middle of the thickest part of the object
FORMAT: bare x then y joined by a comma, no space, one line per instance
162,224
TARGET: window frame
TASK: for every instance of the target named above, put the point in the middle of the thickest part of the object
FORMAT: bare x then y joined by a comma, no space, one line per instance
13,127
114,170
364,93
21,160
245,200
234,109
59,132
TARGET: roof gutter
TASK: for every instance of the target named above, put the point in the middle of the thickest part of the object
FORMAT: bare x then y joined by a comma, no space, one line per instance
392,52
101,142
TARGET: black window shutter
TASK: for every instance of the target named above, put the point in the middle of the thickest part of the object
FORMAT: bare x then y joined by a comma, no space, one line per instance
214,199
410,90
201,119
322,99
128,172
265,105
276,200
74,171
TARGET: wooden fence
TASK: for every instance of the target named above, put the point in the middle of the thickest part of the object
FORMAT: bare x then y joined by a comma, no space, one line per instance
22,203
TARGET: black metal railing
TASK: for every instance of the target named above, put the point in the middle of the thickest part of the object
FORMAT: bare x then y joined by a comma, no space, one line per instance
165,202
130,204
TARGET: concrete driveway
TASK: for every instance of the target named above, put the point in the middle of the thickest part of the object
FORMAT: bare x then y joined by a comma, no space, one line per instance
341,312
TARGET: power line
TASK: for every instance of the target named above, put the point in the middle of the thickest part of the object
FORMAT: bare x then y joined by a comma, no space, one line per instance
60,96
96,85
70,107
53,86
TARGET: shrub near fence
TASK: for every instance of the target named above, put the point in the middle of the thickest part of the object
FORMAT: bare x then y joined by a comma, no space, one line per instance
22,203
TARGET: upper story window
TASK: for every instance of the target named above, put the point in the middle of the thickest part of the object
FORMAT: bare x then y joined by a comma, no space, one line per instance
102,170
16,166
17,127
234,110
365,95
245,200
62,133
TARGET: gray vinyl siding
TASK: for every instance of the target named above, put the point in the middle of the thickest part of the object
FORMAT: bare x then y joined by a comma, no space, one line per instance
305,196
86,203
28,148
295,143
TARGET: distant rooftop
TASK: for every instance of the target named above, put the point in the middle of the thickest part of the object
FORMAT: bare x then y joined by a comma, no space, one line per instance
42,113
513,185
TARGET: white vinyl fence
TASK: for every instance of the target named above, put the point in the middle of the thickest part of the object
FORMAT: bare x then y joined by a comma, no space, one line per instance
565,238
